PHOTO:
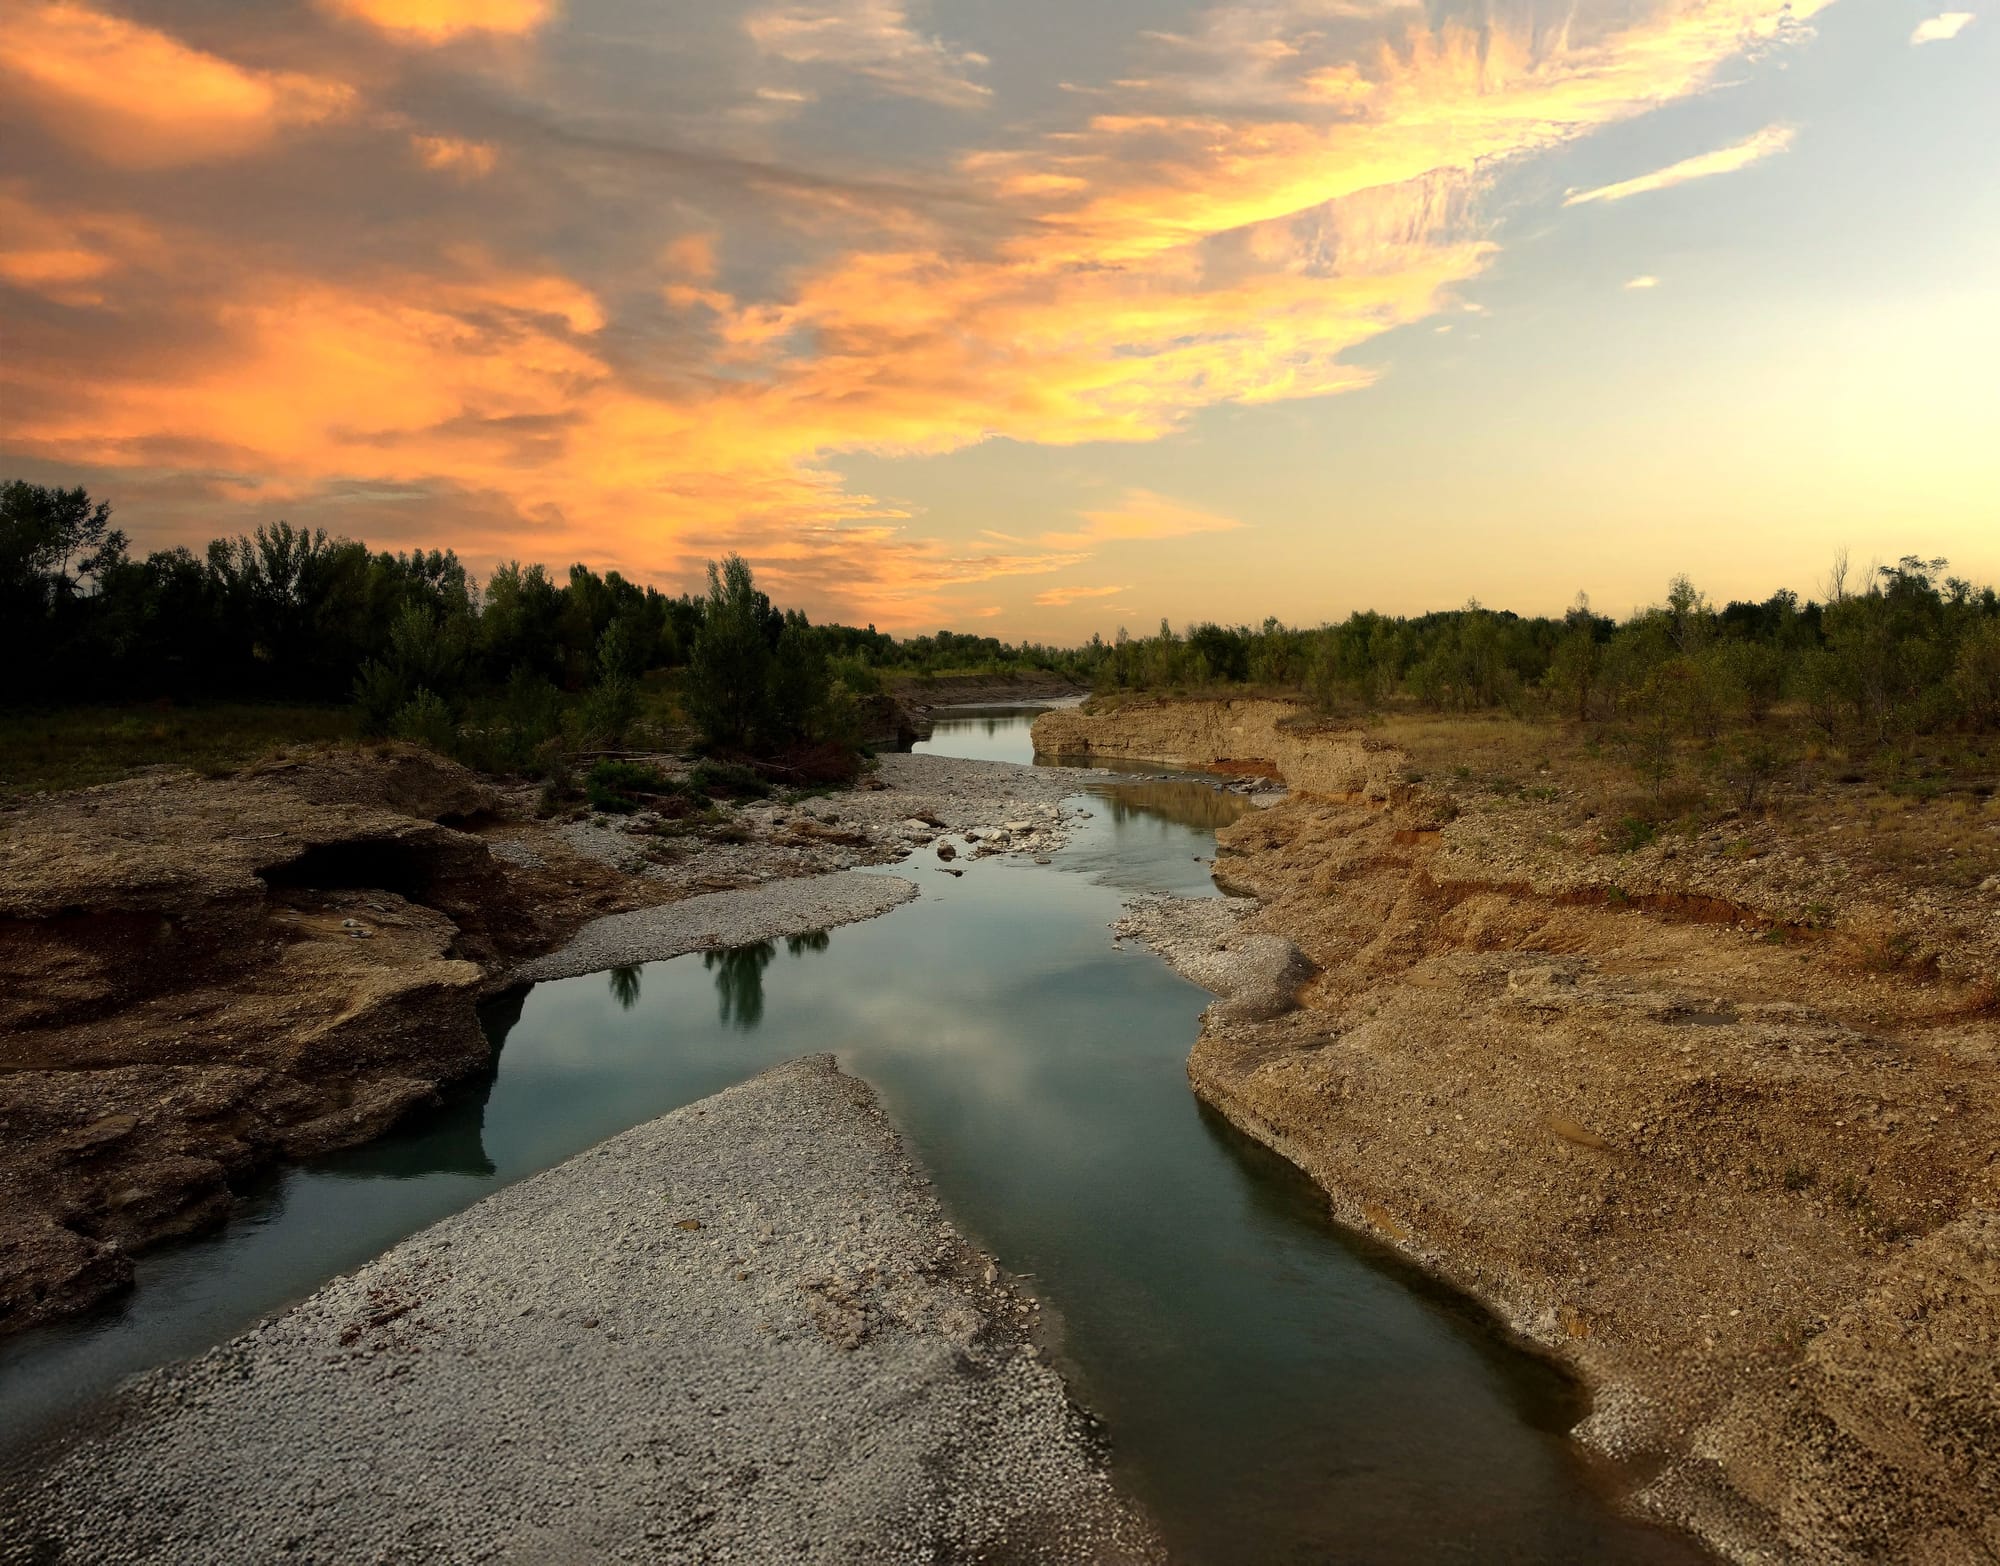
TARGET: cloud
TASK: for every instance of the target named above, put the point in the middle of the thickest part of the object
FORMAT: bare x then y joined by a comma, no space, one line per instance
1644,280
665,348
139,98
871,39
1940,28
1141,514
452,155
440,21
1056,597
1768,142
67,258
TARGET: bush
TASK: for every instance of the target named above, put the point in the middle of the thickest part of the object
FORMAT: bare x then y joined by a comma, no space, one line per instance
618,788
727,780
380,693
1631,834
426,720
608,711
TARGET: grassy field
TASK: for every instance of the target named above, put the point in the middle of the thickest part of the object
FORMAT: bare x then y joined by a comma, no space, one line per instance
74,747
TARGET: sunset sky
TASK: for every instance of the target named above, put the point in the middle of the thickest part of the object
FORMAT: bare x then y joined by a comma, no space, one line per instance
1031,317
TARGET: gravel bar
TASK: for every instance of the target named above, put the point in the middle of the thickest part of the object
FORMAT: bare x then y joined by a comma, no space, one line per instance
742,1332
718,919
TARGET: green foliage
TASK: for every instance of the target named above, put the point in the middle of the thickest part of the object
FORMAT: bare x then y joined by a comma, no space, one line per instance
426,719
729,673
620,787
727,780
1632,834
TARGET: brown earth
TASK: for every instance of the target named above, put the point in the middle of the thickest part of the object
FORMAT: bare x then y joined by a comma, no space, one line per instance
200,976
1720,1130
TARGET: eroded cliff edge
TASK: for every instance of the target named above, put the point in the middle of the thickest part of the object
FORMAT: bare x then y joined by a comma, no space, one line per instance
1717,1127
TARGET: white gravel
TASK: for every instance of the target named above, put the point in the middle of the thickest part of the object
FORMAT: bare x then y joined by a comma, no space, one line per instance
717,919
909,802
739,1333
1207,940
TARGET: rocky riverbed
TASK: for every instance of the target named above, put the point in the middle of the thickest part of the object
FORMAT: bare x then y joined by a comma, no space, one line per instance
202,976
1738,1172
740,1333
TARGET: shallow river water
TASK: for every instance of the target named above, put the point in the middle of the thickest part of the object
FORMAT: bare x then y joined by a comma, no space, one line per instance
1274,1389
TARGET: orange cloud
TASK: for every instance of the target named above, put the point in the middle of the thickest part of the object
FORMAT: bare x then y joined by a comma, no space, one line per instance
440,21
450,155
139,98
63,257
1142,515
1056,597
1245,223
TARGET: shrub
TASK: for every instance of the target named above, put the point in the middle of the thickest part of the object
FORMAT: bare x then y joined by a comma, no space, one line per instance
1632,834
426,720
618,788
727,779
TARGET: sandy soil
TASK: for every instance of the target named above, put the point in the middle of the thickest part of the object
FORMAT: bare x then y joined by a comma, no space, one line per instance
740,1333
1733,1168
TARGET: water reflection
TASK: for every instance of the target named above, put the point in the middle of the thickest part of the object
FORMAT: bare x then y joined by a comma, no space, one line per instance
1184,801
739,982
625,987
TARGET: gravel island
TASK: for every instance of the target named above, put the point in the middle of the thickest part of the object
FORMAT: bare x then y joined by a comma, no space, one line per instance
741,1332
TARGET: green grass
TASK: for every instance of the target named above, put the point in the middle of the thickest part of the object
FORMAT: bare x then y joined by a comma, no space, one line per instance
74,747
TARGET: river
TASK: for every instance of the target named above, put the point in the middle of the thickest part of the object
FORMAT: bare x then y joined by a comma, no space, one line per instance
1275,1389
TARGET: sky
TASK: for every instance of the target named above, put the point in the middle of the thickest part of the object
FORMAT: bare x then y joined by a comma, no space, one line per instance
1025,317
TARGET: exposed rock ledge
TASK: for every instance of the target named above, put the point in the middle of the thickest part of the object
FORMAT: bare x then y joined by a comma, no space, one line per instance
1748,1189
742,1332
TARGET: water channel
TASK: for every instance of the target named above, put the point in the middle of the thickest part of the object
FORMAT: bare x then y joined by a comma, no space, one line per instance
1274,1389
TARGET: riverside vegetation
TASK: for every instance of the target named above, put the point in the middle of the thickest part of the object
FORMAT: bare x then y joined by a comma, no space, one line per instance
292,634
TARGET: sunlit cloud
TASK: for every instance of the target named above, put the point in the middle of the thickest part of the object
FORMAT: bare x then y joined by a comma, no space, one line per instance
439,21
1644,280
1233,224
64,257
137,97
873,40
1939,29
1142,515
1768,142
1057,597
452,155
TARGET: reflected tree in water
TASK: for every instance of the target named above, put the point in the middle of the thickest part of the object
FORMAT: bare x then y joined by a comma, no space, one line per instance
739,982
625,987
811,941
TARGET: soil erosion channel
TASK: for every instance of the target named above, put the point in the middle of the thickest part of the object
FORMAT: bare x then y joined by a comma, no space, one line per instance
1273,1389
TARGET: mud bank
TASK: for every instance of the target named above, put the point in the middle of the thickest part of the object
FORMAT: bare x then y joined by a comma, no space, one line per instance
1745,1185
740,1332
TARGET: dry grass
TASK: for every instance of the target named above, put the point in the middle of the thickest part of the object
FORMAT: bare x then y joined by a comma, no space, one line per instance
76,747
1929,814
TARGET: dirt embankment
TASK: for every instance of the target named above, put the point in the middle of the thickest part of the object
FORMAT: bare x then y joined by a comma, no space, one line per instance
1739,1169
199,976
1252,738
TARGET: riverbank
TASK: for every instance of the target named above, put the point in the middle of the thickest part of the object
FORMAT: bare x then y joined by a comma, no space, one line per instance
1732,1167
743,1331
201,977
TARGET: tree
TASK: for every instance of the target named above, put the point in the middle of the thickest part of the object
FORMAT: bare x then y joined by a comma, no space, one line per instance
729,672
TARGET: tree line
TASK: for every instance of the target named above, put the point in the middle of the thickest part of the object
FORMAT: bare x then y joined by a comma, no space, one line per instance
505,674
1904,650
505,671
